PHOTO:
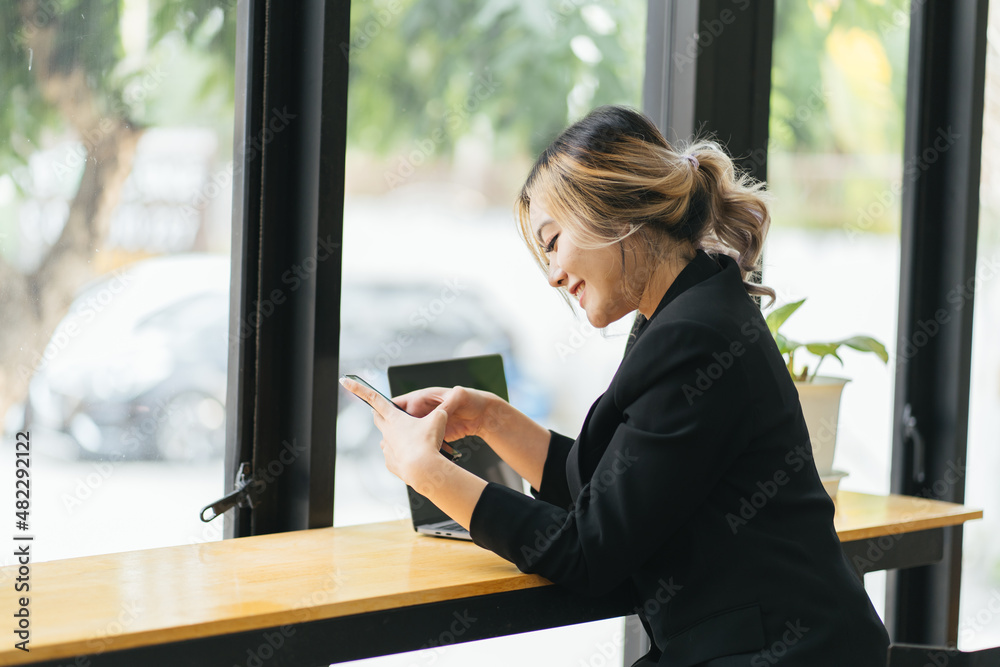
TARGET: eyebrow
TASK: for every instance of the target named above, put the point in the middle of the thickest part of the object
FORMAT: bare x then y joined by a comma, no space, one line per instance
538,233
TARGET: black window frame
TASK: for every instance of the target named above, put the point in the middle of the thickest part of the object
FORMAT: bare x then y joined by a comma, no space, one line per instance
288,198
289,195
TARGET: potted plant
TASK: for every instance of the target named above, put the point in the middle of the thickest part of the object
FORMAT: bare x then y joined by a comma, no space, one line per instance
819,394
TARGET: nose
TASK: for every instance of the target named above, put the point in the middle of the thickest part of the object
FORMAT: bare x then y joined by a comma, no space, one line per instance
557,277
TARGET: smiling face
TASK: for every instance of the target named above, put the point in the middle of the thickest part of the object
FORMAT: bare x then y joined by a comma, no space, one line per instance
591,275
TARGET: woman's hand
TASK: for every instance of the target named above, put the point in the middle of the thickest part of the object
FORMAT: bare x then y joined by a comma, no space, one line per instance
470,411
408,443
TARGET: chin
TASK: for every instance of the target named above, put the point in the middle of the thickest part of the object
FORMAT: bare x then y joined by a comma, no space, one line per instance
601,320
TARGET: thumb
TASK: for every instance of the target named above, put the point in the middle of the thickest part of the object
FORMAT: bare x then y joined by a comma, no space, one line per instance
439,418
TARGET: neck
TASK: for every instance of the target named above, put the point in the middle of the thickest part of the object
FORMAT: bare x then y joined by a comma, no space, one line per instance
663,277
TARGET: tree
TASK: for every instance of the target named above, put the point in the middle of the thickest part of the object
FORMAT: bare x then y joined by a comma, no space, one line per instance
65,69
528,66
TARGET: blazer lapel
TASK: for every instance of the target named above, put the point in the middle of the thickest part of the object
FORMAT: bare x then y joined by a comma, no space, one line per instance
584,455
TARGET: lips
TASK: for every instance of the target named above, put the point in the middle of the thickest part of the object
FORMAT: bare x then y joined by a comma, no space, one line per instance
577,290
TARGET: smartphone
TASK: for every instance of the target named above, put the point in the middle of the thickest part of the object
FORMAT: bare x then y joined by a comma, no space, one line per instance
446,449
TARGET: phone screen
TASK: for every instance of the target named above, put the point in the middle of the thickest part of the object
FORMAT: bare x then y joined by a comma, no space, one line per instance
446,449
359,380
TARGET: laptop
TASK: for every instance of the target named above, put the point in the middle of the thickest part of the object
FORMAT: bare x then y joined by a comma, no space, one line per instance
481,372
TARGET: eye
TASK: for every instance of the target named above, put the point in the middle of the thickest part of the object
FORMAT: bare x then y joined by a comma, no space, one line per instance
552,244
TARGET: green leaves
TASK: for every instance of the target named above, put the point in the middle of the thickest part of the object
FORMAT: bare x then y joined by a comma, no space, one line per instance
778,316
787,347
867,344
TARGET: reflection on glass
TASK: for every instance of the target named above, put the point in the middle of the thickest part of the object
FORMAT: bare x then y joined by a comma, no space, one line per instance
114,228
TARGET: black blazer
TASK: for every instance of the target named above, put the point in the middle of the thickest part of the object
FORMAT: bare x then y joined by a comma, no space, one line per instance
692,485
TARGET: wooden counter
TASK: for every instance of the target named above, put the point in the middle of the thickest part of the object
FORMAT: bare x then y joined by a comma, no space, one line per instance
99,604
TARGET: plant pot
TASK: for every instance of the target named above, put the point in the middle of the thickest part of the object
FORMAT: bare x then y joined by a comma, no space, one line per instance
820,401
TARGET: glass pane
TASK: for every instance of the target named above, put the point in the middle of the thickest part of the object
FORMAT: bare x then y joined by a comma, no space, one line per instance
449,104
979,616
115,149
835,170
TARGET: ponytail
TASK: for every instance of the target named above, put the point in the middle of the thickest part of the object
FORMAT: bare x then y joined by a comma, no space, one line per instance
732,207
611,176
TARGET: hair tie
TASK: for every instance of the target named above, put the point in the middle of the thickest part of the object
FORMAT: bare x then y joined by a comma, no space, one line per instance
694,161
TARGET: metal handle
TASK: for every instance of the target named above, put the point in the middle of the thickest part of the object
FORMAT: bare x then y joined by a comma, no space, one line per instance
911,433
241,497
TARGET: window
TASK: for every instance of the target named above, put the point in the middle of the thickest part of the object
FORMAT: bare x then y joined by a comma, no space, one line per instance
443,126
835,171
116,233
979,619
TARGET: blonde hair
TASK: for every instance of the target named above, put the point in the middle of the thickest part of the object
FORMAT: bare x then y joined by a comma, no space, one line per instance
612,176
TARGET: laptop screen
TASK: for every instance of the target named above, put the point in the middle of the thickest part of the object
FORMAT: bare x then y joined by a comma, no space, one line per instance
482,372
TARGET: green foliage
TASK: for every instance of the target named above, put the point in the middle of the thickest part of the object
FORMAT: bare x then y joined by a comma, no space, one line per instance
837,113
787,346
822,103
91,36
423,70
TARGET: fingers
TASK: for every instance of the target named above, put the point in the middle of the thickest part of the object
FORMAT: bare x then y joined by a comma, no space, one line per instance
421,402
372,398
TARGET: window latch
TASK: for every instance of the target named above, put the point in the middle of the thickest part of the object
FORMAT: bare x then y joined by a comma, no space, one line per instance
911,434
244,496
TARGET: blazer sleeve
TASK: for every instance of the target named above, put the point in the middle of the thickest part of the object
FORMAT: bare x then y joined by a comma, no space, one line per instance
686,417
555,488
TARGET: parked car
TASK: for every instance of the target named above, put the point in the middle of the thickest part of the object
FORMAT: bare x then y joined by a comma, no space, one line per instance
144,375
137,367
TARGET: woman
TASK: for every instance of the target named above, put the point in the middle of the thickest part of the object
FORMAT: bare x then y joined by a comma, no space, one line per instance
691,483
